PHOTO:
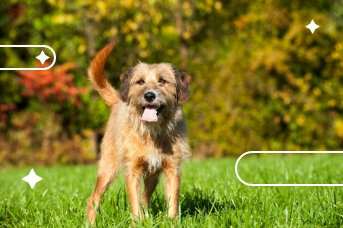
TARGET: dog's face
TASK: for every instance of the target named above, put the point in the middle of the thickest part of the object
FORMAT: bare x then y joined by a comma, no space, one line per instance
155,87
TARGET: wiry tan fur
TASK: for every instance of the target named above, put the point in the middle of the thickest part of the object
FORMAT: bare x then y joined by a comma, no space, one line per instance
143,149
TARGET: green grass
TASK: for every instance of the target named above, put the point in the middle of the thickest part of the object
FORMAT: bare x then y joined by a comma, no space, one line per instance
211,196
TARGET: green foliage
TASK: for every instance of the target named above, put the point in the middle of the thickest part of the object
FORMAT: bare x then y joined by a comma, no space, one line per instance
38,138
261,80
273,85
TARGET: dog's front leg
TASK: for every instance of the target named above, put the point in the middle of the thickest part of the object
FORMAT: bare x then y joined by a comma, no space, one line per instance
173,177
133,191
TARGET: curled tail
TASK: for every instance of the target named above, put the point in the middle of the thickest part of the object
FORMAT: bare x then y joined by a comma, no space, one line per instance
97,77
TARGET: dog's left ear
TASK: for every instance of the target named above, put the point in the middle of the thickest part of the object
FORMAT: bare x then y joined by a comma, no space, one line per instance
125,79
182,85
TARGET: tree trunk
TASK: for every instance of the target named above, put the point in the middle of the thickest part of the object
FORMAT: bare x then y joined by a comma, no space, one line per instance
183,48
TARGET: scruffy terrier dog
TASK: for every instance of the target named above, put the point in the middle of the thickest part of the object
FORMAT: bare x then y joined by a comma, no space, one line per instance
145,134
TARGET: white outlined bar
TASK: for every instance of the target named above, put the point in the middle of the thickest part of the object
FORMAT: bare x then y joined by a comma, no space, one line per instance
31,46
286,152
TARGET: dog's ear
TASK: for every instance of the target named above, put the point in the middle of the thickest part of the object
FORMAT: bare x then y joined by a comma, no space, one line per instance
182,85
125,79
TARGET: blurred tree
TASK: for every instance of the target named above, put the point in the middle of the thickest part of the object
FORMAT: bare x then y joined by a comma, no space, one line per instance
261,80
276,86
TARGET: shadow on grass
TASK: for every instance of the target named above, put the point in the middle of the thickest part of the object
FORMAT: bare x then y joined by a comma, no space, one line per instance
193,202
202,202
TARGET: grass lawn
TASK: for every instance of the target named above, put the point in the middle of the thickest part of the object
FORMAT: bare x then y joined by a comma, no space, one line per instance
211,195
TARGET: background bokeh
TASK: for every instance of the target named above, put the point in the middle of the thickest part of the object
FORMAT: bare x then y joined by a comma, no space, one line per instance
261,79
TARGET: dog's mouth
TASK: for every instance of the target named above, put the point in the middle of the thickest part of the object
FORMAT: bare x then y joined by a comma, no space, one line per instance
151,112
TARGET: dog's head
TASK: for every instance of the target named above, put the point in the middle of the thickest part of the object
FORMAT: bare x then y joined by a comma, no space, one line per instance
154,90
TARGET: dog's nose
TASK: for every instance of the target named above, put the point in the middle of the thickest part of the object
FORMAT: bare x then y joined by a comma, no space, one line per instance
149,96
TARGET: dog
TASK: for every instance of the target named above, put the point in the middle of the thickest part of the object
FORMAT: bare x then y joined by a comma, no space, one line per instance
145,133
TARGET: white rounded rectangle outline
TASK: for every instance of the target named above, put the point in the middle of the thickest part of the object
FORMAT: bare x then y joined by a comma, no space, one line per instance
29,45
285,152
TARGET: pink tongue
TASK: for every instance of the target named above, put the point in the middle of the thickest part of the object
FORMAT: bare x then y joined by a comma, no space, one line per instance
149,114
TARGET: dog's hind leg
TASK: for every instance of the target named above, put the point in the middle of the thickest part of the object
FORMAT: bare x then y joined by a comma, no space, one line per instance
150,183
105,177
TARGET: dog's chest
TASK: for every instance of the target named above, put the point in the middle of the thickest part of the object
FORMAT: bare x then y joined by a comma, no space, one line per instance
154,160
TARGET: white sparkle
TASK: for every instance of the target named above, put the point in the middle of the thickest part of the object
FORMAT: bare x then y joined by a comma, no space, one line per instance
42,57
32,178
312,26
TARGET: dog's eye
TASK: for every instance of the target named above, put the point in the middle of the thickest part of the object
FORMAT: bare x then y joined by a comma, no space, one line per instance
162,81
140,82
